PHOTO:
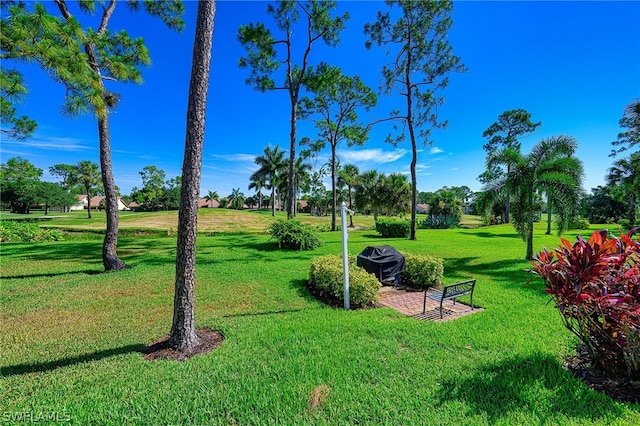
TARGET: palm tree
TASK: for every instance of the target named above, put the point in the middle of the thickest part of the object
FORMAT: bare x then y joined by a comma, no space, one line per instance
302,178
237,199
367,194
349,175
271,164
257,182
211,197
625,173
396,193
550,167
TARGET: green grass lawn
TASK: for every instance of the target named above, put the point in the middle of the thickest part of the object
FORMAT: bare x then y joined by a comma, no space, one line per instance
71,336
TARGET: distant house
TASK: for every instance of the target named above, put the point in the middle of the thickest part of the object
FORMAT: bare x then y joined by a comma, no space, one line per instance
95,202
202,202
303,206
81,204
422,208
134,206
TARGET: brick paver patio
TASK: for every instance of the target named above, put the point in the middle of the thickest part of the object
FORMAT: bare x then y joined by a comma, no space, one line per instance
410,303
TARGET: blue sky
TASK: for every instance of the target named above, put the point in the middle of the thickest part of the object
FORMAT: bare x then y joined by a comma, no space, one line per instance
573,65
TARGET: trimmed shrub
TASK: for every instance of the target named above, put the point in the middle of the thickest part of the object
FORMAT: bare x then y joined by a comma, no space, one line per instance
625,224
12,231
326,275
580,223
595,284
294,235
393,228
422,271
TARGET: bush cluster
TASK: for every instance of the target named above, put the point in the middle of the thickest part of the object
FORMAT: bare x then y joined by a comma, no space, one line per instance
422,271
625,224
393,228
438,221
580,223
595,284
326,275
294,235
12,231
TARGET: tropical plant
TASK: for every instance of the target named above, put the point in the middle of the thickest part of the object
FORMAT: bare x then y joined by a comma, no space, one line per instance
291,234
270,164
237,199
595,285
423,59
211,197
504,134
367,197
257,182
302,171
549,167
264,58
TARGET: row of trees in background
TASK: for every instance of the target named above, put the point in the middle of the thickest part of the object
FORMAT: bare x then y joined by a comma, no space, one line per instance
417,39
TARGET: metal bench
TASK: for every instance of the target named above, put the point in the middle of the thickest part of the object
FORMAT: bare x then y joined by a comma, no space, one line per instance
451,291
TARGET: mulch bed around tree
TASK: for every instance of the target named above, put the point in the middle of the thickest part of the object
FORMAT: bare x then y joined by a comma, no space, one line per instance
618,388
160,349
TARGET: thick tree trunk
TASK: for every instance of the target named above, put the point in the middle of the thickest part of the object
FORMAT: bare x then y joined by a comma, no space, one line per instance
110,258
183,331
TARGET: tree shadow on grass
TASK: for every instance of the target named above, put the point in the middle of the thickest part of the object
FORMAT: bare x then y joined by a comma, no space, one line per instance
39,367
54,274
485,234
536,383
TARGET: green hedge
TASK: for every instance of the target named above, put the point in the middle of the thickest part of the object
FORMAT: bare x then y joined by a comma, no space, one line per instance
393,228
292,234
422,271
326,275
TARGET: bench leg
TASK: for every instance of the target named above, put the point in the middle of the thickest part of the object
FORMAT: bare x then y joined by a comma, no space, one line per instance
424,303
441,300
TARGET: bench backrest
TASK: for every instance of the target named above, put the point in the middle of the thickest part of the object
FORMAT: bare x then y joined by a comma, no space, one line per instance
458,289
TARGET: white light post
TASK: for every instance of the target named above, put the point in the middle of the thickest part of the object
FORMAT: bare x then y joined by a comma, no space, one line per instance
345,253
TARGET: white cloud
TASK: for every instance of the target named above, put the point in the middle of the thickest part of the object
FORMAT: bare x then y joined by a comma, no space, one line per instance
435,150
235,157
52,143
371,155
454,169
